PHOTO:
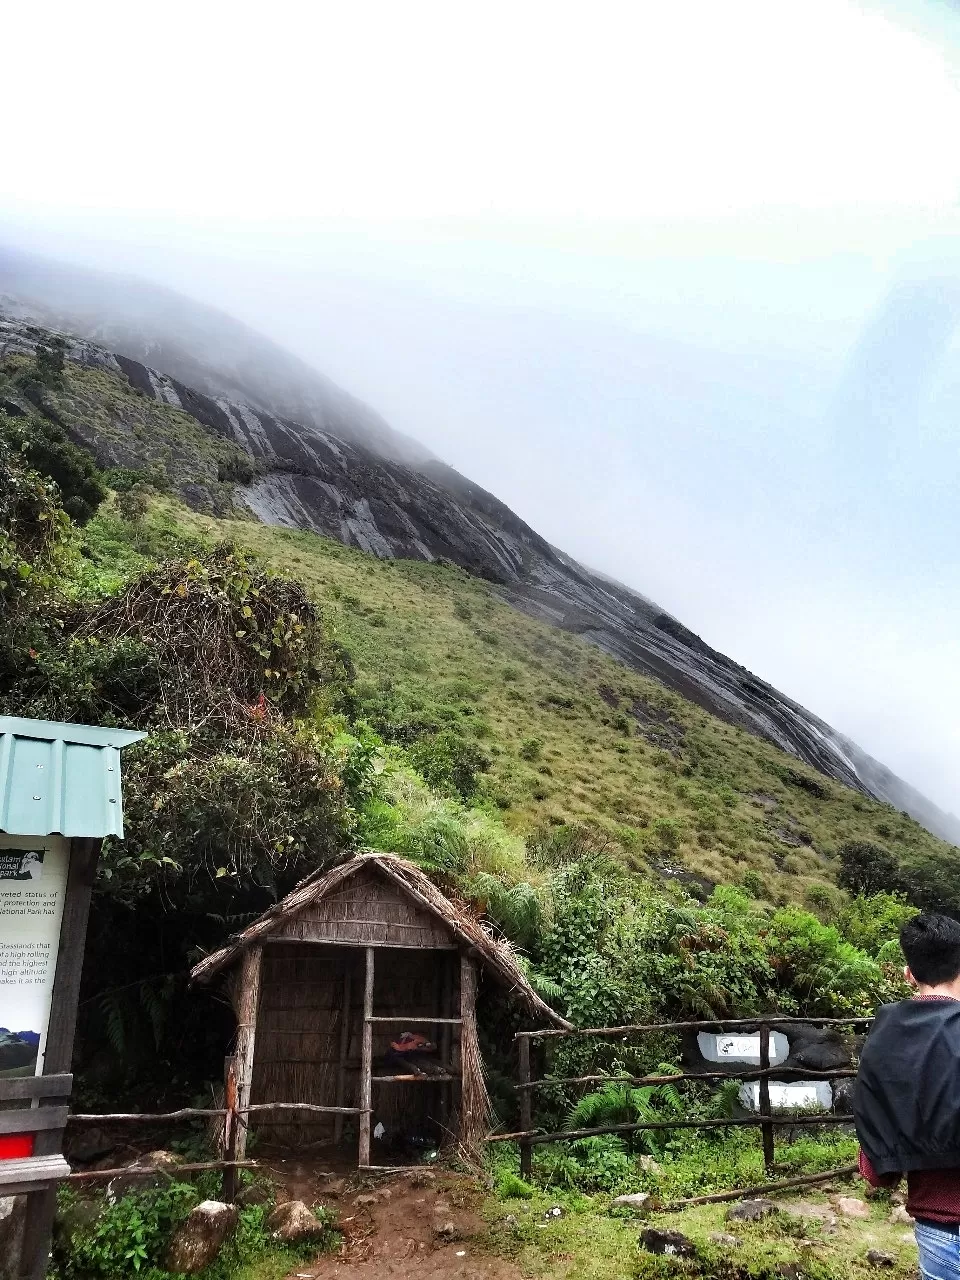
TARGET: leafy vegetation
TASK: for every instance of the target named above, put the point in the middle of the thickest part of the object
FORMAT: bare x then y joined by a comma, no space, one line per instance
100,1239
303,699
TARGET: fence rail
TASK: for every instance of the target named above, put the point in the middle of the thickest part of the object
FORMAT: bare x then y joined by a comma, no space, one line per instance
528,1135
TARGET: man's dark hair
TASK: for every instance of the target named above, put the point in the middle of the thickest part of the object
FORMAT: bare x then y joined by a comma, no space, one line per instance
931,944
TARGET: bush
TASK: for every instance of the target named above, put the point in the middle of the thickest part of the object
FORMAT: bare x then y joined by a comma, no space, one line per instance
48,450
450,762
867,868
530,749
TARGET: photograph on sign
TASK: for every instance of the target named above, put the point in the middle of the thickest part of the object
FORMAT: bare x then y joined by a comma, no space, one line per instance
33,877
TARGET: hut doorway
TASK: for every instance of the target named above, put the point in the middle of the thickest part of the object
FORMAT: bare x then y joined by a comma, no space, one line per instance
310,1045
336,990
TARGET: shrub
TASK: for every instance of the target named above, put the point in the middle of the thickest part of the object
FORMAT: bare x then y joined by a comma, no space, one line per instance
867,868
450,762
530,749
48,450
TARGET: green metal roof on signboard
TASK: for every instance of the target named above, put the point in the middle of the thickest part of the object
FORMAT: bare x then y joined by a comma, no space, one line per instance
61,778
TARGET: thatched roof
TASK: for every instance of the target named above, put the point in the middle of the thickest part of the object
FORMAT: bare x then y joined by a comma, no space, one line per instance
493,952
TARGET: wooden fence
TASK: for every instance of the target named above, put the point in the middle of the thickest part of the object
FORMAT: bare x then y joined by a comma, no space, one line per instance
528,1135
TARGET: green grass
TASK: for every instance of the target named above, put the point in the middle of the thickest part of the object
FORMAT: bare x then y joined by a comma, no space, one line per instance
430,641
587,1243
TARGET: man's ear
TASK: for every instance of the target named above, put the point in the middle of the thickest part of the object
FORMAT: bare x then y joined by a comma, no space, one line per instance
909,976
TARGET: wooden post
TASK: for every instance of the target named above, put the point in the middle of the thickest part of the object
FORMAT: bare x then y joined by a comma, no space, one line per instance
344,1047
248,1002
366,1061
58,1055
764,1091
231,1128
526,1109
446,1034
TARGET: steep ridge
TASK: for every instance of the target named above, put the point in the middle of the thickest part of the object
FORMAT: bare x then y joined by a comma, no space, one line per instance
342,484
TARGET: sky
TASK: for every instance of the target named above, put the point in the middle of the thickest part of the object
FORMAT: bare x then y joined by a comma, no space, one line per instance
681,283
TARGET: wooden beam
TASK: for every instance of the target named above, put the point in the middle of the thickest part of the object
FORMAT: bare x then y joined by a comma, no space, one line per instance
58,1049
58,1086
764,1108
344,1051
714,1024
470,1105
366,1060
526,1110
426,1022
248,1003
33,1119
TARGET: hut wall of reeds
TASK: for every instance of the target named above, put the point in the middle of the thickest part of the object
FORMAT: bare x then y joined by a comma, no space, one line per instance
324,981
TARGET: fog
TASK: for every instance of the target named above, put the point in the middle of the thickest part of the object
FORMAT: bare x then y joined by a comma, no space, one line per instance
683,291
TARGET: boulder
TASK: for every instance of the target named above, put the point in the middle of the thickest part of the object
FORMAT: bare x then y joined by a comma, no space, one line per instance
898,1215
851,1207
198,1240
803,1209
446,1232
670,1243
878,1259
638,1201
255,1193
724,1239
751,1210
294,1222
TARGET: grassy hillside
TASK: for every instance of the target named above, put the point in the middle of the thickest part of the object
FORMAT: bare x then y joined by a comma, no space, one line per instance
571,735
568,735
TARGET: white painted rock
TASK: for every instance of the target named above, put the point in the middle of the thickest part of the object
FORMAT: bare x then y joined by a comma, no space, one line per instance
199,1239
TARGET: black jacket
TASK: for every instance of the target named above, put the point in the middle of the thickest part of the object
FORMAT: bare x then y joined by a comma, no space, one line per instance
907,1097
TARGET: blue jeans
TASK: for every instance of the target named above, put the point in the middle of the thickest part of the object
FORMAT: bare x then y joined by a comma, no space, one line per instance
939,1253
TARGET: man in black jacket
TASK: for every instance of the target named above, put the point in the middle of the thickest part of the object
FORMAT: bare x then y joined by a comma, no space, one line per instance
907,1096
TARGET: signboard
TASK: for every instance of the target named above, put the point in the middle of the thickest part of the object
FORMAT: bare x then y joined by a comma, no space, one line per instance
742,1048
804,1095
33,883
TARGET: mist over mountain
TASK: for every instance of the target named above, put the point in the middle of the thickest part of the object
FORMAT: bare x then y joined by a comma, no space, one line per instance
324,461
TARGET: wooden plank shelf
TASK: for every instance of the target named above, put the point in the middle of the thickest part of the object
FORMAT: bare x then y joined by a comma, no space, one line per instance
426,1022
53,1086
415,1079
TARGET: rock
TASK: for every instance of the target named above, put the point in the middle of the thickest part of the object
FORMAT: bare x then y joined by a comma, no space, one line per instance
335,1188
200,1237
366,1201
851,1207
878,1259
751,1210
89,1146
293,1222
422,1178
446,1232
74,1218
166,1164
13,1216
790,1271
639,1202
898,1214
649,1165
803,1209
255,1193
671,1243
725,1239
908,1238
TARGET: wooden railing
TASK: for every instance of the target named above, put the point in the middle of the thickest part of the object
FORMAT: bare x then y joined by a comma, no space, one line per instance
528,1135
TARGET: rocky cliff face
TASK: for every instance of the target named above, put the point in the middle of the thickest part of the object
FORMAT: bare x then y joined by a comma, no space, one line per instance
339,478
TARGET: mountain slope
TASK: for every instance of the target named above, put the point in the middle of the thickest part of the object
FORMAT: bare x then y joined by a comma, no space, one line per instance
347,481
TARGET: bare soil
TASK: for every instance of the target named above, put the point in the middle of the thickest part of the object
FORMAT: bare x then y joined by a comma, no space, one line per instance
422,1221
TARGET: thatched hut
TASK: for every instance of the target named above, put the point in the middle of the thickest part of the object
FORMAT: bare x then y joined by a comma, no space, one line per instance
325,980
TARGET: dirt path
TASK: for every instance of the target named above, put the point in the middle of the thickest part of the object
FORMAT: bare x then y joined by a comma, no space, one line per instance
423,1222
